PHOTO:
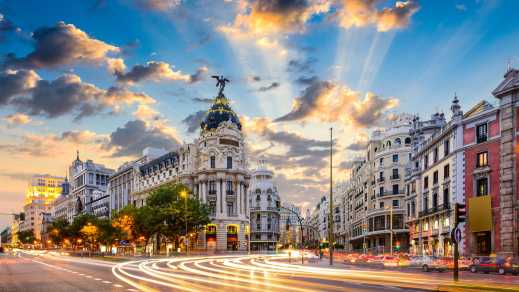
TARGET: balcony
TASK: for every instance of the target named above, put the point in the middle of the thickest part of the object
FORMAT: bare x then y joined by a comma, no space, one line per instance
229,192
395,176
212,192
380,179
391,193
434,209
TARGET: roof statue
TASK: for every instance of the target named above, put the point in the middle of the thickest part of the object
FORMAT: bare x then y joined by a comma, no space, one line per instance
220,82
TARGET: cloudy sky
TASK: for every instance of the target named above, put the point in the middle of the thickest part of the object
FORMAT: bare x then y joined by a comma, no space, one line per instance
110,77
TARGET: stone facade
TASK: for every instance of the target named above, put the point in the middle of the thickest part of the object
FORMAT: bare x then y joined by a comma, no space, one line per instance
508,94
264,202
214,167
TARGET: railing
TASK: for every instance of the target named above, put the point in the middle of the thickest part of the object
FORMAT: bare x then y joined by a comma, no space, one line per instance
380,179
434,209
229,192
212,192
391,193
395,176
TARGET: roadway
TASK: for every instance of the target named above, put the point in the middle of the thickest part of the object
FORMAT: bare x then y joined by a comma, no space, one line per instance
46,272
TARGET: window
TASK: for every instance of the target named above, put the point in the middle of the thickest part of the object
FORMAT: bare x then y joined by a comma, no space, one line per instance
212,187
426,182
482,186
395,158
426,161
482,159
381,161
408,210
435,155
413,207
229,162
435,178
446,171
481,133
446,149
398,142
381,191
425,203
230,209
446,199
435,200
213,162
381,176
407,141
395,189
381,205
395,174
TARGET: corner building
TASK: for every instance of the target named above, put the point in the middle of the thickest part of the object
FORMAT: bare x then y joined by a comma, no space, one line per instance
214,167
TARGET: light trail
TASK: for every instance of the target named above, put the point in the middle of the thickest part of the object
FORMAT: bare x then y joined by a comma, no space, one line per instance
265,272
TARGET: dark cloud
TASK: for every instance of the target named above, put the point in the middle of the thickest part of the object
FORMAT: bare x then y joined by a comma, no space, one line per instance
59,45
157,5
198,75
271,86
203,100
299,190
303,80
307,102
371,110
16,83
65,95
301,66
134,136
6,27
193,121
327,101
357,146
157,71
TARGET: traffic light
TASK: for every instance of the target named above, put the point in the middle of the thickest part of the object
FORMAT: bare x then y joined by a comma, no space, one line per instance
461,213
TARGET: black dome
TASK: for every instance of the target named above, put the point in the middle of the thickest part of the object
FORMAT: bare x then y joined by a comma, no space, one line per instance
220,112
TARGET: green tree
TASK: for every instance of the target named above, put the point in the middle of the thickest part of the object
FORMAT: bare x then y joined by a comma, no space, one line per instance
108,233
77,225
26,236
58,231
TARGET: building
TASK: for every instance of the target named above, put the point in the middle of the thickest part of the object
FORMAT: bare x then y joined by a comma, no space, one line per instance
41,192
289,227
481,141
373,198
507,92
214,167
438,184
264,205
89,182
64,207
6,236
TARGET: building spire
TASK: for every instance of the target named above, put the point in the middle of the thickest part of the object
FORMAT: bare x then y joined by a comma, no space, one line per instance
77,155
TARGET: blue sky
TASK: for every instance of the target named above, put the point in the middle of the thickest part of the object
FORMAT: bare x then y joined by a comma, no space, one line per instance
409,56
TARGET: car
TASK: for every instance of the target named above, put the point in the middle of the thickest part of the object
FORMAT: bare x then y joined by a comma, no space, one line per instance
390,261
499,265
431,263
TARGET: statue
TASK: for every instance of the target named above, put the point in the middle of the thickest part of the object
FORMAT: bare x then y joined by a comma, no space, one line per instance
220,82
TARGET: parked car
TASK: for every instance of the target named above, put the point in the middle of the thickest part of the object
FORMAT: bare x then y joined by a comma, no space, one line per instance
499,265
430,263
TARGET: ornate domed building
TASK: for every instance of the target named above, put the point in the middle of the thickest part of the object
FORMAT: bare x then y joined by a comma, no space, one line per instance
214,167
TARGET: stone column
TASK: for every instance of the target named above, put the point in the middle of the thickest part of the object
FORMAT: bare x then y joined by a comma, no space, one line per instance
238,197
218,197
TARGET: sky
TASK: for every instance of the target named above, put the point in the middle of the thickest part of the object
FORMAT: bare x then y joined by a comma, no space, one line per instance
111,77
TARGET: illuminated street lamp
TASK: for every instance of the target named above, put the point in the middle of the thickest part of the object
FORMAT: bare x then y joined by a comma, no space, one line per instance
184,195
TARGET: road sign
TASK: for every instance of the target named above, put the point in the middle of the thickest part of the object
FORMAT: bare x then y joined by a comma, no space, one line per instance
456,235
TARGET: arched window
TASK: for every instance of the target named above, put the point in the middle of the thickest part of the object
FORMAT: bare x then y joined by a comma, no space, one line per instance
388,144
269,191
407,141
258,191
398,142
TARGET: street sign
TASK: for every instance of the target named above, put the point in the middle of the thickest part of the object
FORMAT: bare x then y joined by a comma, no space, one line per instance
456,235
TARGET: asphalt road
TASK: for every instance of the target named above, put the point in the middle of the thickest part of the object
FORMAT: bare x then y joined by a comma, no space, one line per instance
45,272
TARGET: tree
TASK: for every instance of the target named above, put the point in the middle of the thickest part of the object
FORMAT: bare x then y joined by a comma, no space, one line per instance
138,224
108,233
89,233
26,236
58,231
77,225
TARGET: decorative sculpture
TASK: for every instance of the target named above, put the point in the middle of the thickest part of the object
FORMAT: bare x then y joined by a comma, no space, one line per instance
220,82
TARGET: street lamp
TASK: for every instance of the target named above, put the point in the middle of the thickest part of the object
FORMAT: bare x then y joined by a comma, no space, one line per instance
184,195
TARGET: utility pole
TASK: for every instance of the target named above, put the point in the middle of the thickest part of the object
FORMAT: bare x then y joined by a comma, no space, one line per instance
330,217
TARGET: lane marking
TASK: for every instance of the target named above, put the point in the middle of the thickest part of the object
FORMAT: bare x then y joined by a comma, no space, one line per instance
107,282
118,286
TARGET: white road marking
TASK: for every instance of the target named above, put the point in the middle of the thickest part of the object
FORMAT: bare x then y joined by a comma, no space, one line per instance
107,282
97,279
118,286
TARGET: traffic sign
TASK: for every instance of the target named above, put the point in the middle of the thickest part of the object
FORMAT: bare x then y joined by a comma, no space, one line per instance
456,235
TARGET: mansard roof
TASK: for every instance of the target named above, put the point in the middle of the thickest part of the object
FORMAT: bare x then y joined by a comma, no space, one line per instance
510,83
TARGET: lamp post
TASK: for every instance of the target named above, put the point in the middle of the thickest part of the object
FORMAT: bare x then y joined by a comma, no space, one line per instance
330,217
184,195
